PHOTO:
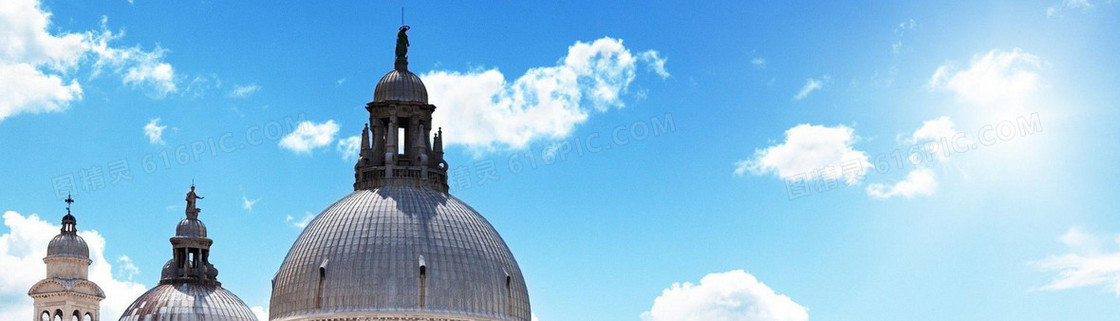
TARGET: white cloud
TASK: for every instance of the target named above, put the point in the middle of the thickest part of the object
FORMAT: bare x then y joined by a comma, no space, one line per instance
938,137
35,63
545,103
247,204
995,79
24,89
919,182
138,68
201,84
935,129
1082,242
309,136
1086,265
349,147
811,152
904,26
260,312
128,269
22,250
759,62
655,62
154,132
240,91
302,222
37,66
900,31
1084,5
730,296
811,85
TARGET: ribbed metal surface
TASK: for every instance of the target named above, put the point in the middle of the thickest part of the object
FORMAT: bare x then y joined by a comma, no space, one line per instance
371,245
190,228
400,85
188,302
68,244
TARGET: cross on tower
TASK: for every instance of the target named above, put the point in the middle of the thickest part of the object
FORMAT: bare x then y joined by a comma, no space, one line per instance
68,201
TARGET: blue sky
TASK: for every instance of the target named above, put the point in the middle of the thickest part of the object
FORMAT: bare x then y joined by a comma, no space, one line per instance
771,157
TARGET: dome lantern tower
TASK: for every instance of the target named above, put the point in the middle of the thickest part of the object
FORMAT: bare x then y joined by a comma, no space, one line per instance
399,247
188,288
400,124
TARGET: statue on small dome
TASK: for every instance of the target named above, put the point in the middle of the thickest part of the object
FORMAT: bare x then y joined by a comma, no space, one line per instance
402,43
192,199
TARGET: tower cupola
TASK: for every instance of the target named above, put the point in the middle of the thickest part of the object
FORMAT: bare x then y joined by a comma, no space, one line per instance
403,150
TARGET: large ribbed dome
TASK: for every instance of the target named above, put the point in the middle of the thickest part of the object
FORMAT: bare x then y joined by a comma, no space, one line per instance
399,251
400,85
188,302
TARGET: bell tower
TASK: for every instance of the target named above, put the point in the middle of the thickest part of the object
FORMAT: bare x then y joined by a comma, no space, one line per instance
400,125
65,294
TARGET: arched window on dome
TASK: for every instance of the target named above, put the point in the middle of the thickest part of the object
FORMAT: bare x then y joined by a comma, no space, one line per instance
87,317
322,277
509,294
423,281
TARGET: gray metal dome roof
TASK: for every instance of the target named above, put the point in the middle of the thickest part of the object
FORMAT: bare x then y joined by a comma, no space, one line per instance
400,85
188,302
396,251
68,244
190,228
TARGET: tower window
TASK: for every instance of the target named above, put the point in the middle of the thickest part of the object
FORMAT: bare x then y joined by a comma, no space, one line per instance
400,140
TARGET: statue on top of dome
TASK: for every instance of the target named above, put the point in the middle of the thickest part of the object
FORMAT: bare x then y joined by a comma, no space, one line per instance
192,198
402,43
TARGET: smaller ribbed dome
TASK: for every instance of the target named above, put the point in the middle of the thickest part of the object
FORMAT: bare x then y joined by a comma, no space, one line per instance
69,245
190,228
188,301
400,85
